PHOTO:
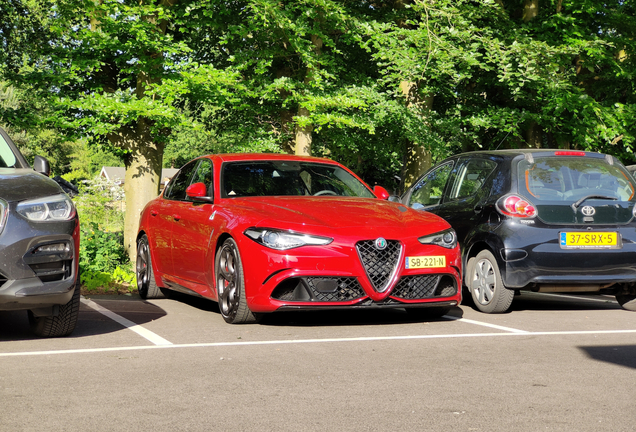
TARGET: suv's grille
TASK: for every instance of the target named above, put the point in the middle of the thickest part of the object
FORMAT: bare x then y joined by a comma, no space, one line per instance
53,271
425,286
380,265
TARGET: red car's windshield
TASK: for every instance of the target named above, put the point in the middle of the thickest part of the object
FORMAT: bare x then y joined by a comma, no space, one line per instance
290,178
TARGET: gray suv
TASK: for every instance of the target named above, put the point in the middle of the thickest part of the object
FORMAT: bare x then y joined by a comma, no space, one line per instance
39,244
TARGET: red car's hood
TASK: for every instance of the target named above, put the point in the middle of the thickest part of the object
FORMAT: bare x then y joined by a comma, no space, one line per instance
336,213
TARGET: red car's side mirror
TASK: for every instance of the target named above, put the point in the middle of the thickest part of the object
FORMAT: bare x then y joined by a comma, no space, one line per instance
198,192
380,192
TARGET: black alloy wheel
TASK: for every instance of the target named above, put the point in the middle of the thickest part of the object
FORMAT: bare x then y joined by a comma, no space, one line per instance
230,285
146,284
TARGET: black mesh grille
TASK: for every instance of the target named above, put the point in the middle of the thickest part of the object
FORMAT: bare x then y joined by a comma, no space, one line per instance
426,286
319,289
53,271
335,289
379,264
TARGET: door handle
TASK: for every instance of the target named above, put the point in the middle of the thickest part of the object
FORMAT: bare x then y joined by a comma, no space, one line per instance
176,217
154,212
478,208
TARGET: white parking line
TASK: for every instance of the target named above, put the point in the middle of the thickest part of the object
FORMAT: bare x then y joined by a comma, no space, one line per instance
312,341
141,331
495,326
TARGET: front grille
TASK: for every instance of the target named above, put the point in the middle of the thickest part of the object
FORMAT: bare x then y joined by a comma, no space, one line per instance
424,286
335,289
380,265
319,289
53,271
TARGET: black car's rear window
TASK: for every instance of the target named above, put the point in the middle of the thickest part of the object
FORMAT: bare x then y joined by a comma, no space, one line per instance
280,178
569,178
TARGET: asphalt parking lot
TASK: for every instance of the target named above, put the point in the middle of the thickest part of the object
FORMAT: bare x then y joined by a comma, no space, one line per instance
555,363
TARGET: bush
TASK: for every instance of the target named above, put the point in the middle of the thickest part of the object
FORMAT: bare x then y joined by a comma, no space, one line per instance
103,260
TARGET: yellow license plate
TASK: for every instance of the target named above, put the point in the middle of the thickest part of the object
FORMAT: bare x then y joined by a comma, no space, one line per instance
589,240
425,262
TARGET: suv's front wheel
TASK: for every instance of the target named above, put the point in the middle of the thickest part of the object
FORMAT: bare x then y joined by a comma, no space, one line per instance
485,284
61,324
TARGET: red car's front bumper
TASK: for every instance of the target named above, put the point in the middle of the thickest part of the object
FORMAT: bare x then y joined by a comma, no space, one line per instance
334,276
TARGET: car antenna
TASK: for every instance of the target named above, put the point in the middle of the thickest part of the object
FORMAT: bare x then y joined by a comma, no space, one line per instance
504,138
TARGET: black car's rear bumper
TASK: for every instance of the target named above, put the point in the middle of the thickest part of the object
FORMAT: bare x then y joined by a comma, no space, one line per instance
533,255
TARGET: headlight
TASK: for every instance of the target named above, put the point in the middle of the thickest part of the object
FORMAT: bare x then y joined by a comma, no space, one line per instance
446,238
282,240
47,209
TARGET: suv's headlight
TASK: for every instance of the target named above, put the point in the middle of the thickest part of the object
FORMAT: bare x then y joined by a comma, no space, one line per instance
446,238
281,240
47,209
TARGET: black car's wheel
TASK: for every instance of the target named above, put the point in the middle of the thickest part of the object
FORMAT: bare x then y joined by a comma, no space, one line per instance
61,324
230,285
485,284
146,284
627,301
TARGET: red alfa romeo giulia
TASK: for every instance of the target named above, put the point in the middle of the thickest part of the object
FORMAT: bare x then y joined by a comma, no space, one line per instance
265,233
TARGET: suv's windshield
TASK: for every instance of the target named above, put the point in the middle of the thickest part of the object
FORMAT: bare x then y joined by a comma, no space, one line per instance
275,178
572,178
7,158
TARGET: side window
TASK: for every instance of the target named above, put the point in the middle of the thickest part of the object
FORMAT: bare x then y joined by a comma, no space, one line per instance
180,182
470,177
429,190
205,175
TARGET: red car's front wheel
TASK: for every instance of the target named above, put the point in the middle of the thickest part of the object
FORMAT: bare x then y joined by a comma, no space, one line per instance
230,285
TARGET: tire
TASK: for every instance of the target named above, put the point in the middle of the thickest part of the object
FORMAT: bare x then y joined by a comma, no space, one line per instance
486,287
146,285
627,301
230,285
61,324
426,313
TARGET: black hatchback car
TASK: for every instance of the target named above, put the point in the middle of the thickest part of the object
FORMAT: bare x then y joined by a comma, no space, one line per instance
537,220
39,244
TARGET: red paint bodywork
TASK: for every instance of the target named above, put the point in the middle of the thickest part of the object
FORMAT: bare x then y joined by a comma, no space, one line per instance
185,235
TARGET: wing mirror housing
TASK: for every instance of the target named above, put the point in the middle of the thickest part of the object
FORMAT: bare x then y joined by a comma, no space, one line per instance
380,192
42,165
199,192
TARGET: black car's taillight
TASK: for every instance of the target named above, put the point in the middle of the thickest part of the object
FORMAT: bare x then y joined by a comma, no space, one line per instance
516,206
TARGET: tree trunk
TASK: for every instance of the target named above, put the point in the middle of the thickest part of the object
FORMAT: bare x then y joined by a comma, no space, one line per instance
533,134
530,9
143,176
303,135
417,158
303,140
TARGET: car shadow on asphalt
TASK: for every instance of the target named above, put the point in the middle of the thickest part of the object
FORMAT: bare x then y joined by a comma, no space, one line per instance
321,318
621,355
530,301
14,325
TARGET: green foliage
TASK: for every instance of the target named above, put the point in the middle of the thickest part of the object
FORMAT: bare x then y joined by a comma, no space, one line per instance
101,250
103,261
209,76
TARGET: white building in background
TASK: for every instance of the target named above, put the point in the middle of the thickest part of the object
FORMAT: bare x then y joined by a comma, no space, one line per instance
118,174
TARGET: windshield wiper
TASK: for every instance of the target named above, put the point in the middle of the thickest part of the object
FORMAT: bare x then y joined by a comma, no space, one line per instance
579,202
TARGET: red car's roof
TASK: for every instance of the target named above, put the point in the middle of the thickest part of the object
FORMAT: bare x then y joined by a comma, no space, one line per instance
227,157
